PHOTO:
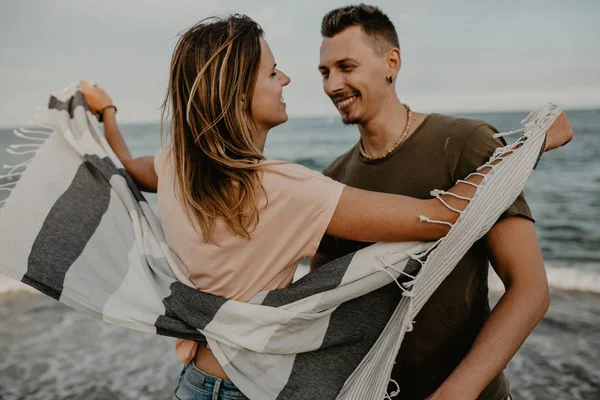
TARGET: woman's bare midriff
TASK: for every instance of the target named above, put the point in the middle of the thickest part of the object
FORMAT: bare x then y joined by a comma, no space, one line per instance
207,362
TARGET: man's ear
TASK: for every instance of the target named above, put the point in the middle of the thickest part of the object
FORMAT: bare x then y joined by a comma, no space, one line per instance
394,61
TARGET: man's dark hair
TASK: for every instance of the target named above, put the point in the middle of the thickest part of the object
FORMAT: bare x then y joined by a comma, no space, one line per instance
376,25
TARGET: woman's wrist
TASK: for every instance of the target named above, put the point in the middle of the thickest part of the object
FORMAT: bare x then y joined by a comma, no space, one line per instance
105,111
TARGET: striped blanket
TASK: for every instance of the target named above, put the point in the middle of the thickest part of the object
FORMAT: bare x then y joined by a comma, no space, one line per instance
75,227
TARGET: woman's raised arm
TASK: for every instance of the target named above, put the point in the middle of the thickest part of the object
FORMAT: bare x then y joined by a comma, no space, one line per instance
141,169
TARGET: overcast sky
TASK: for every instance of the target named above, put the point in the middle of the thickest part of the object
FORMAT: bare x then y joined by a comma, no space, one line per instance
461,55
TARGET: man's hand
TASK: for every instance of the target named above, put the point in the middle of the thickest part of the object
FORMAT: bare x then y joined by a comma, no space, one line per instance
559,134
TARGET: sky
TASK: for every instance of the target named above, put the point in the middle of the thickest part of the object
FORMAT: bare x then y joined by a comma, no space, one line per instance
459,56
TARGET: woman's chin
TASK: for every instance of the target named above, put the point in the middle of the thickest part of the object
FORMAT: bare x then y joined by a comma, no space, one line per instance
283,119
278,119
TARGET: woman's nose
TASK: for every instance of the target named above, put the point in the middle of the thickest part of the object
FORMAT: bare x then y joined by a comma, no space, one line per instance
285,79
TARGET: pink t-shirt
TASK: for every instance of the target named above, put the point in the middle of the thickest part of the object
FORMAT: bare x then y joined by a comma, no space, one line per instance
300,205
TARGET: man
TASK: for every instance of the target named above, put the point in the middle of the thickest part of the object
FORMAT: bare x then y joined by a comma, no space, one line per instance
457,349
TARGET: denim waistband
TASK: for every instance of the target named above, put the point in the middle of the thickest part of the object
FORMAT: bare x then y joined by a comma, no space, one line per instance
207,382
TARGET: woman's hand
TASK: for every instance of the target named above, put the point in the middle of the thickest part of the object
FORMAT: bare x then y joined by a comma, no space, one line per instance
95,97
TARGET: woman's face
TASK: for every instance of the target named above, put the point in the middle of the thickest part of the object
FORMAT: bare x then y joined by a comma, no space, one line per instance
268,108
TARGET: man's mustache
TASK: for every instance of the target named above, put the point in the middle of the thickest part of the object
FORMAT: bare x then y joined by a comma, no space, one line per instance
341,96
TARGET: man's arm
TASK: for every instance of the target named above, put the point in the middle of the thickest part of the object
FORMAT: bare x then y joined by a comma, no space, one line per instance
516,257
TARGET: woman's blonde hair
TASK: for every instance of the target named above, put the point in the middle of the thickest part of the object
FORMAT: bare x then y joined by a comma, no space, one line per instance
216,161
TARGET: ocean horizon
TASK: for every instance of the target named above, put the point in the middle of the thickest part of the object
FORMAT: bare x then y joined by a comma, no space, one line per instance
335,118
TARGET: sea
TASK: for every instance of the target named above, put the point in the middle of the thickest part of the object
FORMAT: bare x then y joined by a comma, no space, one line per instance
48,351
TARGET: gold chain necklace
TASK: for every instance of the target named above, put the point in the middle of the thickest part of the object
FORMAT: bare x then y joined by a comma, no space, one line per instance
398,142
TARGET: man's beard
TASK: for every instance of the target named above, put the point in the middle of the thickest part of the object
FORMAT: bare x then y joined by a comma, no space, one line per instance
348,120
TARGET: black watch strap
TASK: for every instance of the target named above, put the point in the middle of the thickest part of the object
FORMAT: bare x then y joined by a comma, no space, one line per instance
100,113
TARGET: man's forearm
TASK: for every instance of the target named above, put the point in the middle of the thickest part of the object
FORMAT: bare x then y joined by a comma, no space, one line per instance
512,320
515,254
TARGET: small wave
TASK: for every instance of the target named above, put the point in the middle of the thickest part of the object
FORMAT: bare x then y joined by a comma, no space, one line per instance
562,275
579,277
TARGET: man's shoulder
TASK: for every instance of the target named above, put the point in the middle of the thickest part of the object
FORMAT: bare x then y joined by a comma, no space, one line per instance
460,126
337,166
453,133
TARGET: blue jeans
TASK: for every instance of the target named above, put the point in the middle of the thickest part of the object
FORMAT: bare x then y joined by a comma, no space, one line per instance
195,384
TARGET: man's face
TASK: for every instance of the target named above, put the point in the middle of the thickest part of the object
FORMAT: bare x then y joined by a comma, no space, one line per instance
354,75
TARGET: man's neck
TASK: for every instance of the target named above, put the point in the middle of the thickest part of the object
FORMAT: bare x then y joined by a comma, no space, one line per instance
380,133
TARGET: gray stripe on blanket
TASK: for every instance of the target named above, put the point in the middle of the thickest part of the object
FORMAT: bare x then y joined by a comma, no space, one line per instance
74,102
66,230
182,308
352,324
132,186
99,271
109,170
364,318
172,326
327,277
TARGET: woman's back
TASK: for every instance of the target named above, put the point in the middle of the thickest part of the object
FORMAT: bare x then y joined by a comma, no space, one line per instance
291,223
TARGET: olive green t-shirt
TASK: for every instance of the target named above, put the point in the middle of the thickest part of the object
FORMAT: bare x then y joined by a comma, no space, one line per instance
442,150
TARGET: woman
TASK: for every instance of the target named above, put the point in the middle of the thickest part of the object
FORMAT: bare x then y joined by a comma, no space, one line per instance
238,222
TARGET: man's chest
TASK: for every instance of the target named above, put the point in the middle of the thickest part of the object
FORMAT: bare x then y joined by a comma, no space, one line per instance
408,174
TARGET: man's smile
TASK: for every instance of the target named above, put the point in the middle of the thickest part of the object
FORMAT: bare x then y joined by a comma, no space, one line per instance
345,103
